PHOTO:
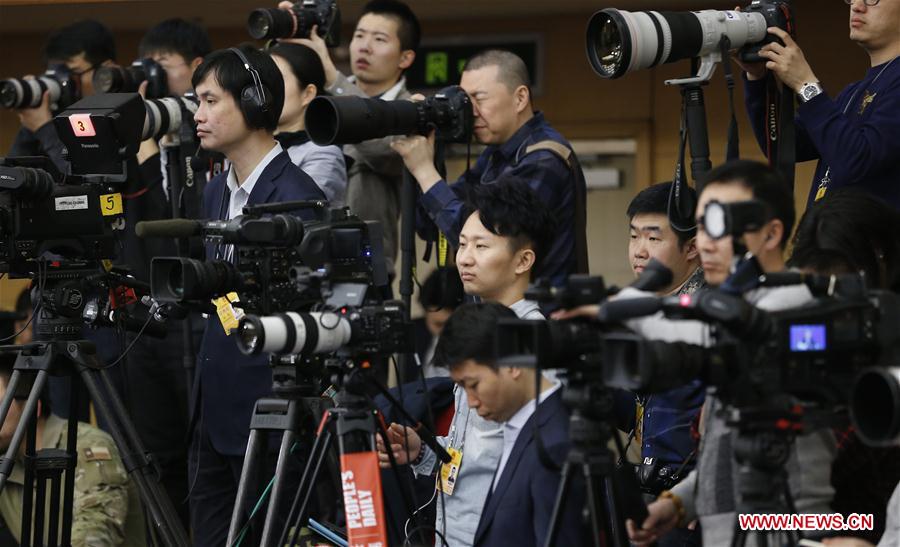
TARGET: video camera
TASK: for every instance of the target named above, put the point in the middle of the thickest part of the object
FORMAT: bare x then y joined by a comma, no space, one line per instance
350,120
70,217
280,262
842,348
298,21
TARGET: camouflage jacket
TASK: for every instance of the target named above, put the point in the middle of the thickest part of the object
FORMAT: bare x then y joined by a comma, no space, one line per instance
107,509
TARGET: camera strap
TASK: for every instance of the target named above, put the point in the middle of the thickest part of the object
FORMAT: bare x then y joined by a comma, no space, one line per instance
780,131
579,193
732,151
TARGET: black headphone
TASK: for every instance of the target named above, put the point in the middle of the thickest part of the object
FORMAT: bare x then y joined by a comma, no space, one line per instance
256,98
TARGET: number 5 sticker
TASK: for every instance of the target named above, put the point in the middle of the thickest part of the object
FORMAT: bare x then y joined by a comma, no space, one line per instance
111,204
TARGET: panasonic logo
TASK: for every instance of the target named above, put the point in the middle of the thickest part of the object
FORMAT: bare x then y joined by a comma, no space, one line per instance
90,146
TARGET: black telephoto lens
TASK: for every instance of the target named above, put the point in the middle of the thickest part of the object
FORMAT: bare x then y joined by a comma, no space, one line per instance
269,23
351,120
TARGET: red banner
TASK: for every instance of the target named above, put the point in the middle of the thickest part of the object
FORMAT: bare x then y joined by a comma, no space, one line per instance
363,505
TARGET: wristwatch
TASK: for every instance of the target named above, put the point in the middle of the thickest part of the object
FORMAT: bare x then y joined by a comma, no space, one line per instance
809,90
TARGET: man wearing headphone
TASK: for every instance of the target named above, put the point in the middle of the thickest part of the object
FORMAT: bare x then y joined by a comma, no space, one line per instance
241,95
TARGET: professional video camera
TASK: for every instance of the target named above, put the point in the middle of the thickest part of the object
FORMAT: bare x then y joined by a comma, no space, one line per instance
116,79
28,92
349,120
297,21
168,114
622,41
71,217
814,353
282,262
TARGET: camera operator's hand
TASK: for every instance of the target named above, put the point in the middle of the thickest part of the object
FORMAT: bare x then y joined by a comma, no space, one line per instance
662,516
787,61
401,438
418,155
317,44
33,119
589,312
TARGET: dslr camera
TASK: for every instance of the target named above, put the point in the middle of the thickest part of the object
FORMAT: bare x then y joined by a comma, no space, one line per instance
297,21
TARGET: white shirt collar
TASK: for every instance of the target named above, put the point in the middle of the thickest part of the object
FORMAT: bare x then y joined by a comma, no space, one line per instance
250,182
518,420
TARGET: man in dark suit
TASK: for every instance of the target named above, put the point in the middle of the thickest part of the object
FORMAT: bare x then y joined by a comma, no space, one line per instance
241,95
520,501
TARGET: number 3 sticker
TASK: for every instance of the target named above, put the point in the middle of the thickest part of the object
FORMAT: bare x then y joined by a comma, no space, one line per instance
111,204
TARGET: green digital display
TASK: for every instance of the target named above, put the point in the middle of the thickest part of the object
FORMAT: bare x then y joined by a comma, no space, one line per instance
439,64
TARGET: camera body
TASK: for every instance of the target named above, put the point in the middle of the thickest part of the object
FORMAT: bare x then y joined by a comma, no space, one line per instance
776,13
115,79
297,21
28,92
281,263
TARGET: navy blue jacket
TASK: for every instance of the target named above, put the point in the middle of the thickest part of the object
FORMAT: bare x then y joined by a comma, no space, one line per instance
228,383
861,146
518,511
554,182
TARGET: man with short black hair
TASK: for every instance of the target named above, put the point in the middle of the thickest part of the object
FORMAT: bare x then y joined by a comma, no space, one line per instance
383,46
82,47
523,489
237,116
520,143
179,47
506,232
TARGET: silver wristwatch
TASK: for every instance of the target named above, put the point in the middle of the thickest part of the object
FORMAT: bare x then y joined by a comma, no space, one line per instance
809,90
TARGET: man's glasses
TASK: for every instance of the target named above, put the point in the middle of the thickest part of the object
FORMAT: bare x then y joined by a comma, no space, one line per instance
866,2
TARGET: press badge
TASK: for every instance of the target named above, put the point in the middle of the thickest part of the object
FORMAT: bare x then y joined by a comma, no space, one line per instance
229,316
450,472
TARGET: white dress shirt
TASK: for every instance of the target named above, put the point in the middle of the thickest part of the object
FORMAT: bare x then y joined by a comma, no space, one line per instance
241,193
513,427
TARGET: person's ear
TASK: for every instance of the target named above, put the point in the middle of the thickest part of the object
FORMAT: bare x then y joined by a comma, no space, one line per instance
692,253
526,260
774,234
515,372
407,56
307,95
195,63
523,98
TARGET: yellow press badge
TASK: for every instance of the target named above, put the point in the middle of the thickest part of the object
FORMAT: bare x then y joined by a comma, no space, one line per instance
820,193
229,316
450,471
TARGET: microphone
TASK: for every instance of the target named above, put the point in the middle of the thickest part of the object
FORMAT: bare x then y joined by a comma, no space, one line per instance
656,276
177,227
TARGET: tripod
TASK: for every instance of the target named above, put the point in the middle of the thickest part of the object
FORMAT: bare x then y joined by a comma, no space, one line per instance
294,415
762,450
590,432
68,357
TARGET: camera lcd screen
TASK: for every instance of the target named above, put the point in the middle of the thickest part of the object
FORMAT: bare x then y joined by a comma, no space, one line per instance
808,338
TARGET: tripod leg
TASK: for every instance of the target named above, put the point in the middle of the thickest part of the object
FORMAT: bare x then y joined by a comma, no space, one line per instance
53,531
308,483
27,414
9,396
284,454
556,518
242,501
615,518
72,453
134,458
